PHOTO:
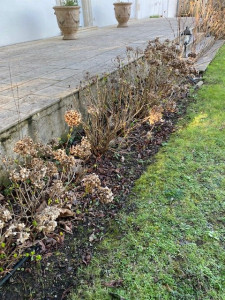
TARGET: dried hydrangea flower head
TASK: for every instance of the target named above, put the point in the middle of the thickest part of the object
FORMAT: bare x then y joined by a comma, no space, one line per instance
22,175
44,150
2,224
38,172
83,150
91,182
5,214
19,232
10,231
56,190
52,170
60,155
72,118
105,195
22,237
65,160
46,219
155,114
170,106
14,176
25,147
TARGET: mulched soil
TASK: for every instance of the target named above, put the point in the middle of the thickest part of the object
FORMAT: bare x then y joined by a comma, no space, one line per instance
55,275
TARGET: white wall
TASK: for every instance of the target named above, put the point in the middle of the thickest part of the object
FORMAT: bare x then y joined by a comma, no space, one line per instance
147,8
103,12
172,8
26,20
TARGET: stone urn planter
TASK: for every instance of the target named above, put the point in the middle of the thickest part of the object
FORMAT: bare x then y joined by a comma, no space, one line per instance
122,13
68,19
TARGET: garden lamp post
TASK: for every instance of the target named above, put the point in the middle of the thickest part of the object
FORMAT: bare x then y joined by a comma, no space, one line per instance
187,38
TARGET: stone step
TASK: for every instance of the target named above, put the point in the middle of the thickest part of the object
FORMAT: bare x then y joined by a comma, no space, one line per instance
203,46
195,40
203,61
197,43
199,46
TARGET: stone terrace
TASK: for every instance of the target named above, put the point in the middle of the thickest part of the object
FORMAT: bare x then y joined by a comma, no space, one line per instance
37,74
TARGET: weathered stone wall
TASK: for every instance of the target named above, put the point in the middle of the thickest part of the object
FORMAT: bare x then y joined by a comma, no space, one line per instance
43,126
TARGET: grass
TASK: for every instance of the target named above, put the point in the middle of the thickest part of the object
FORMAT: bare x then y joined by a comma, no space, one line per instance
172,246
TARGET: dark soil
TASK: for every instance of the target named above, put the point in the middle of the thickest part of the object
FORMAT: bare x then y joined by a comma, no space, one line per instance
55,275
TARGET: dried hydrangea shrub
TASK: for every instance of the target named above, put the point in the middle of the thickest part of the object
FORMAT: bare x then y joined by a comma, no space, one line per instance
83,150
72,118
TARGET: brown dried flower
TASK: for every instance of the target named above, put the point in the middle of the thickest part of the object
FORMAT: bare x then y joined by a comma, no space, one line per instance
105,195
25,147
38,172
67,161
56,190
72,118
91,182
155,114
46,219
18,231
170,106
83,150
60,155
5,214
52,170
2,224
22,237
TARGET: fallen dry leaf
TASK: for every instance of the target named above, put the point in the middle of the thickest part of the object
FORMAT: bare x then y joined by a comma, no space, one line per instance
114,283
67,226
86,258
42,206
64,212
92,237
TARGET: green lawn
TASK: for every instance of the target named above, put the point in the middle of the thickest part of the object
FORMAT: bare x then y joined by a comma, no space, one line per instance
172,246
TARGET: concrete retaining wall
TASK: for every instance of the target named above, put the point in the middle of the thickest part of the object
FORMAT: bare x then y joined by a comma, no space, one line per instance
42,126
49,123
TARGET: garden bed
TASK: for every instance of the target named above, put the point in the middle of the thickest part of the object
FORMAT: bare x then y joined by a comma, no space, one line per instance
83,213
172,245
55,275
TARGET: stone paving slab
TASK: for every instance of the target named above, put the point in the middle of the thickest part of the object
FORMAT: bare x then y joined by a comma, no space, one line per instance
37,74
206,59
